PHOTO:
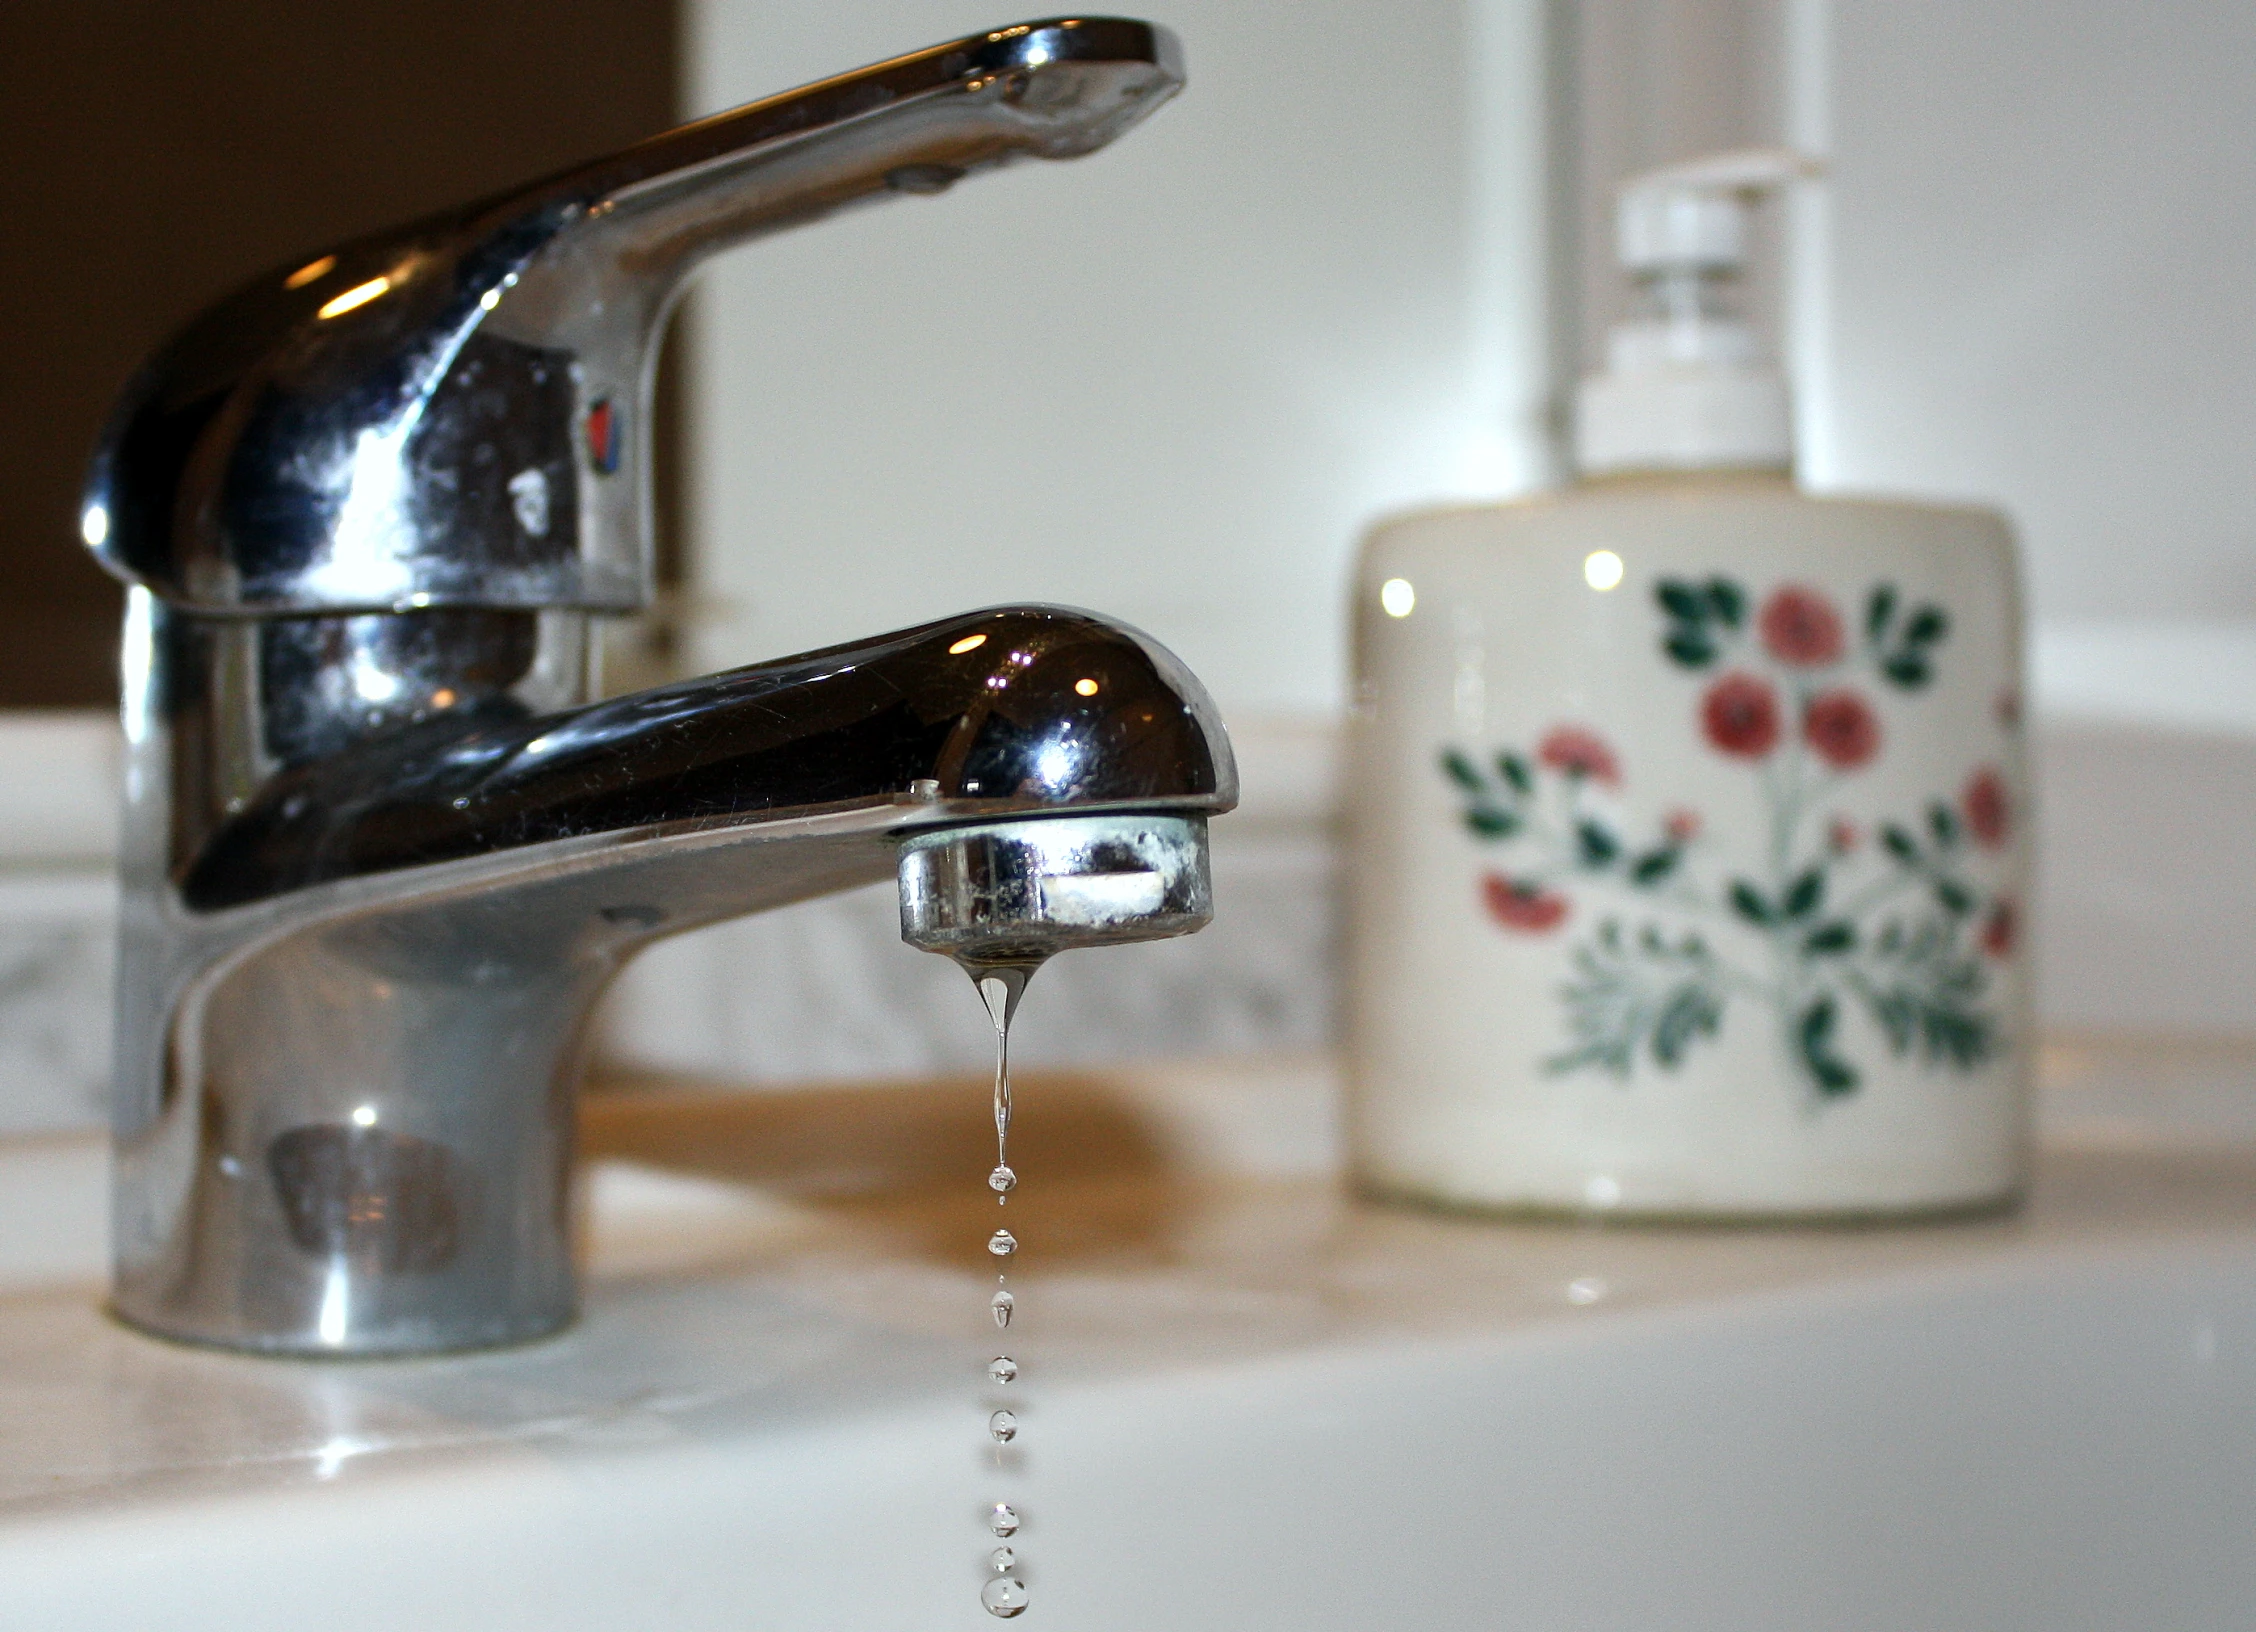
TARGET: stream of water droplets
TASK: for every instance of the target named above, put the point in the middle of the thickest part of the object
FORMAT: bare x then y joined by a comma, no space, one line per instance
1004,1594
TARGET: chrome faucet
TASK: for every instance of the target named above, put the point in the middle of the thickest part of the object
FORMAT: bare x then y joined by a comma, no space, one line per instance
382,849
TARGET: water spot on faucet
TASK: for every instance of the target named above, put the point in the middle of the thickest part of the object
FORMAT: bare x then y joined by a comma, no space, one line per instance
528,498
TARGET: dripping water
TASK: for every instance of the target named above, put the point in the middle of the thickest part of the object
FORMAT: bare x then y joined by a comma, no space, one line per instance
1000,987
1004,1595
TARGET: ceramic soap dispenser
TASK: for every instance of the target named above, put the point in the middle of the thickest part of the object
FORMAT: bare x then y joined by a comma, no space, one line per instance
1688,809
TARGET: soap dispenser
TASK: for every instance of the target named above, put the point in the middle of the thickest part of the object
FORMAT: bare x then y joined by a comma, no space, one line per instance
1688,810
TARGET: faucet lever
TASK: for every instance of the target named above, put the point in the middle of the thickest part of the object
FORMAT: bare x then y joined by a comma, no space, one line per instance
455,412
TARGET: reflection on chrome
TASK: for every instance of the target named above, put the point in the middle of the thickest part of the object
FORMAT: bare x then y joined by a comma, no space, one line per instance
384,849
1053,765
339,1449
354,298
331,1325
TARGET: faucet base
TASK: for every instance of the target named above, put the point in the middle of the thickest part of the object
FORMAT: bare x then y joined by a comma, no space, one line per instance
270,1347
360,1142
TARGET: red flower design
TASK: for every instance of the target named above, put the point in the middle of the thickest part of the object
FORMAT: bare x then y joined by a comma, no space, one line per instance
1528,908
1841,727
1989,811
2000,928
1841,835
1740,715
1800,627
1577,752
1682,826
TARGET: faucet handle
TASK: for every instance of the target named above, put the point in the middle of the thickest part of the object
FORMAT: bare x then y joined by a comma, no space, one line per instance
455,412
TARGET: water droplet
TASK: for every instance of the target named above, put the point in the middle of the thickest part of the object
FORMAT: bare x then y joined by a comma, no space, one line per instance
1002,1560
1004,1426
1004,1596
1003,1369
1587,1289
1001,1179
1000,1306
1003,1520
1002,1243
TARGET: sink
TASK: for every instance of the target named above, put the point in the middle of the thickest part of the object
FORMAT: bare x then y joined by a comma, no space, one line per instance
1249,1401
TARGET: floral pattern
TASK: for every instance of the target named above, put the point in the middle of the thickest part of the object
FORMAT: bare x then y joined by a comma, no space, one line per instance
1885,916
1740,716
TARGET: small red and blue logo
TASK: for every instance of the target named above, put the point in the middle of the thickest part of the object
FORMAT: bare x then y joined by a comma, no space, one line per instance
605,433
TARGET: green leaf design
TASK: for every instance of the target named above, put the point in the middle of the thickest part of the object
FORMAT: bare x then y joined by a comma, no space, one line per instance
1960,1037
1654,866
1832,1075
1693,1010
1645,995
1907,669
1596,845
1954,897
1515,770
1695,611
1727,602
1943,823
1461,771
1838,936
1680,600
1804,894
1899,843
1879,612
1748,902
1491,823
1927,626
1924,992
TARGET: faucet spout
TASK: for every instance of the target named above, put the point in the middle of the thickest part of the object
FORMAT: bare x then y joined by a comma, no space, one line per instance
383,848
352,1027
1015,712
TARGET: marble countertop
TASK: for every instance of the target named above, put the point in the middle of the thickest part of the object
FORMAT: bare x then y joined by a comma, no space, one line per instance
762,1264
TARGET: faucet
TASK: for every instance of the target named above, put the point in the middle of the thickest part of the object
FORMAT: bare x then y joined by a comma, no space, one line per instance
384,847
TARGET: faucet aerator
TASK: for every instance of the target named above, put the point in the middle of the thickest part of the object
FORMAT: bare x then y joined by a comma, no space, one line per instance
1021,892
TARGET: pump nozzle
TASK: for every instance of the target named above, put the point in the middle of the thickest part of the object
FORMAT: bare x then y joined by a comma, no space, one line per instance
1694,215
1685,387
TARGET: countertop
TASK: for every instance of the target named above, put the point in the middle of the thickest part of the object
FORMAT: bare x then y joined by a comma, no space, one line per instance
759,1264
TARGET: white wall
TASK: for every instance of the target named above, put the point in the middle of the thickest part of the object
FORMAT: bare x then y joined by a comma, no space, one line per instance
2041,283
1170,381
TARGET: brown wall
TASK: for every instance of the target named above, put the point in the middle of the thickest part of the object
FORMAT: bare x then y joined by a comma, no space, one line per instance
159,153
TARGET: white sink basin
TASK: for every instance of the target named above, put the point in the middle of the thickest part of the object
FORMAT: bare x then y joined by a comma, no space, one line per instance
1246,1405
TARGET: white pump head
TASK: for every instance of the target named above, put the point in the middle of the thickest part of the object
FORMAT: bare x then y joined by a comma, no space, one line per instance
1684,387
